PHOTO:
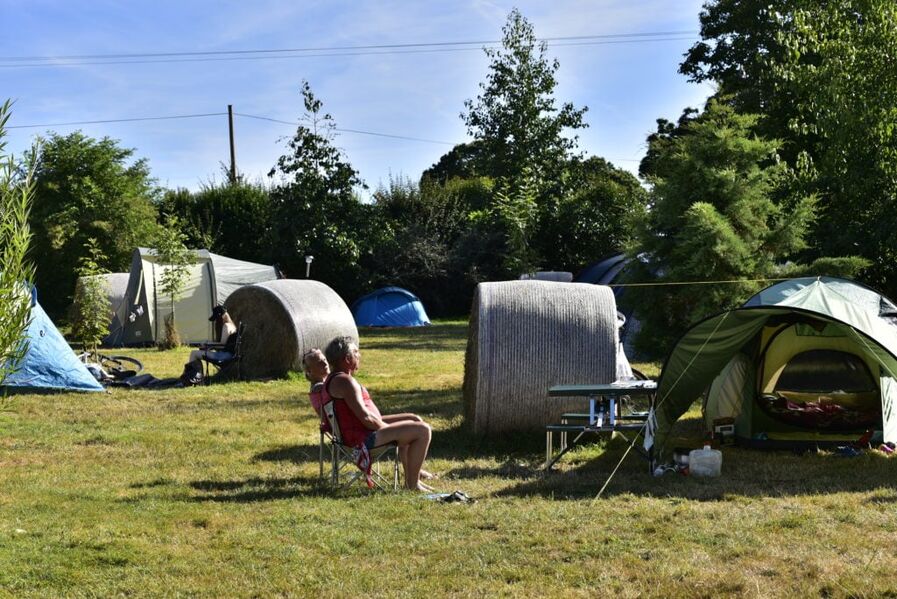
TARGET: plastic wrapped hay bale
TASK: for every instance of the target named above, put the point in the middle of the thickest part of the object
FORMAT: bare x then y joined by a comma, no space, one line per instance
283,319
524,337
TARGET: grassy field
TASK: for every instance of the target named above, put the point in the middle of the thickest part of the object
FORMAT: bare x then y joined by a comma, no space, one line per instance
213,492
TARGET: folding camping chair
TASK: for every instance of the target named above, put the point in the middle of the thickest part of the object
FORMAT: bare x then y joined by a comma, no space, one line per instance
225,363
343,456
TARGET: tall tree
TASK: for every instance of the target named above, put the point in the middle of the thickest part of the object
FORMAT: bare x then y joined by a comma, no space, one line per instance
464,161
315,209
515,121
822,73
229,219
595,218
714,219
16,272
86,188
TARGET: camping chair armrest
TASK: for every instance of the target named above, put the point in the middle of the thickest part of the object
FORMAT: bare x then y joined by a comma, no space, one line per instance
212,345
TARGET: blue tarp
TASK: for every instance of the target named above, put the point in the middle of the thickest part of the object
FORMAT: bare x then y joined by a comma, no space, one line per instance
390,307
50,362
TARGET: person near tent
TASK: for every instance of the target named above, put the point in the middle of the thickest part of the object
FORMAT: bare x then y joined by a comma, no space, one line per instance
360,420
223,350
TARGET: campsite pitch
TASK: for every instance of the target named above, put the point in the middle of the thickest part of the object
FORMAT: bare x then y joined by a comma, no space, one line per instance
213,491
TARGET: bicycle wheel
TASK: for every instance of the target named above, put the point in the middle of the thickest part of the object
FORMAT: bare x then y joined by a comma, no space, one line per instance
119,365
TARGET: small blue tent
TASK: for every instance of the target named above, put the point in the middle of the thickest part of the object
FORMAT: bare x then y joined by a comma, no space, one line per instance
50,362
390,307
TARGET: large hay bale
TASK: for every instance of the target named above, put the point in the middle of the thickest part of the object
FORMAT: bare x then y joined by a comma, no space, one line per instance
524,337
284,319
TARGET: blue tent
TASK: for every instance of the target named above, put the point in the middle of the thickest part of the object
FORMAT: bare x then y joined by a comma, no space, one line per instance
390,307
50,362
604,271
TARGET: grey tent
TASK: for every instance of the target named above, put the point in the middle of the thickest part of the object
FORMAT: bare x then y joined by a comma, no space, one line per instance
212,278
810,360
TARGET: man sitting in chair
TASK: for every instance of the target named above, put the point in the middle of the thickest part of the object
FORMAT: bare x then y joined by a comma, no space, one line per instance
223,350
362,424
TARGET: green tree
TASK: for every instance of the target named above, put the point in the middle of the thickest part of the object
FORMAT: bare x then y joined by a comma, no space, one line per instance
714,218
16,272
92,309
175,259
515,121
315,208
822,74
512,216
415,240
464,161
229,219
595,218
85,188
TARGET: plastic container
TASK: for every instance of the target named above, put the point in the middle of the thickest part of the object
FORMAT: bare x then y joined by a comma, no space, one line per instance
705,462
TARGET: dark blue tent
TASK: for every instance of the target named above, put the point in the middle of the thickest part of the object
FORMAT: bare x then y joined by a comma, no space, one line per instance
604,271
390,307
50,362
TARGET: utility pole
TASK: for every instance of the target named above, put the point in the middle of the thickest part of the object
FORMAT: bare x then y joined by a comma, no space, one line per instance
233,156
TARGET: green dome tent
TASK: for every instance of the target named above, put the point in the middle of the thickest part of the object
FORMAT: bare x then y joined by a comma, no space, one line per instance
809,360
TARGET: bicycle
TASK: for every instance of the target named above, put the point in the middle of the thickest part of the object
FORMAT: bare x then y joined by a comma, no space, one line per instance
106,368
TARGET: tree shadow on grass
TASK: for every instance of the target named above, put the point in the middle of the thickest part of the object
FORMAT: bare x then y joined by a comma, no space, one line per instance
441,337
442,403
296,454
255,489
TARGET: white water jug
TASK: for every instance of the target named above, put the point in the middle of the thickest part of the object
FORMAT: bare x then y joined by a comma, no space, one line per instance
705,462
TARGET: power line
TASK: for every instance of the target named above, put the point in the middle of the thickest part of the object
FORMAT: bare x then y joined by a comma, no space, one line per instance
292,54
255,117
405,137
607,36
128,120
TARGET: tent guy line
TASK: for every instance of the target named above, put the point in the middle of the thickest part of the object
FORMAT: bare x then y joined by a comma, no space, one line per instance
673,283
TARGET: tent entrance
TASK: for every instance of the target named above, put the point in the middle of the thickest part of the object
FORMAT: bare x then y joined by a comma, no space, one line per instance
795,384
818,378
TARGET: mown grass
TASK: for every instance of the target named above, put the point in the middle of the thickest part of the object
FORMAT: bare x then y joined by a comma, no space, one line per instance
213,492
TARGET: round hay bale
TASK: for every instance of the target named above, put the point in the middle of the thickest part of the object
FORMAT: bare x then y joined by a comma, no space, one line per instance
283,319
524,337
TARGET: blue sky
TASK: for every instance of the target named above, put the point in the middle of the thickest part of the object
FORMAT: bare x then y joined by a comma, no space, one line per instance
420,94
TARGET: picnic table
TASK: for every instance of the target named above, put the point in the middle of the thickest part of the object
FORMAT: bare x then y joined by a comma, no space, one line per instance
606,414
